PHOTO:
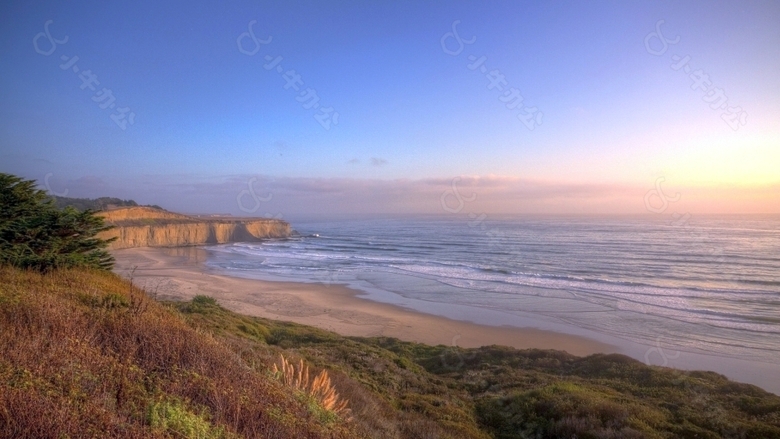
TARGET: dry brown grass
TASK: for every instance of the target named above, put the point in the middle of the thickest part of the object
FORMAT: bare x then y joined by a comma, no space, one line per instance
320,387
85,354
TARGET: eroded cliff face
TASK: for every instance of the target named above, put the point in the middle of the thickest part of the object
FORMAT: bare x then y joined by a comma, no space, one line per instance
147,227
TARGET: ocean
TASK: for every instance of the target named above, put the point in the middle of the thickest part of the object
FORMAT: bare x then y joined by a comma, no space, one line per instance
705,286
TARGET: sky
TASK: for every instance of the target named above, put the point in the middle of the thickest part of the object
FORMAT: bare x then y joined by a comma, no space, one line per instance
298,108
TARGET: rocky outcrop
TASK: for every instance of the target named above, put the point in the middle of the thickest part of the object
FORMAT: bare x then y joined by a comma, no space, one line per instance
149,227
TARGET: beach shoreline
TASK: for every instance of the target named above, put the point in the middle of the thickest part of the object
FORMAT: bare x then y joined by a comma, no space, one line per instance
180,274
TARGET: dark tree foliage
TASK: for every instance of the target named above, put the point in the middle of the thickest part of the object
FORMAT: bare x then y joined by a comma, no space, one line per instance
35,234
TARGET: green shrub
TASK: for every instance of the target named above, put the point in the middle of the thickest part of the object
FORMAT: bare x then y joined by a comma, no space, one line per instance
204,300
174,417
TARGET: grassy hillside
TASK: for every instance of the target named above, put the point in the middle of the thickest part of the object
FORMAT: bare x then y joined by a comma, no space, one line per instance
84,354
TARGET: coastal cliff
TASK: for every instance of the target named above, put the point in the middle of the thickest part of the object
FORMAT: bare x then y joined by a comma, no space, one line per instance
149,227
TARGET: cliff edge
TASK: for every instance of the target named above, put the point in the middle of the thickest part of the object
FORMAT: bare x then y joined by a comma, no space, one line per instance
150,227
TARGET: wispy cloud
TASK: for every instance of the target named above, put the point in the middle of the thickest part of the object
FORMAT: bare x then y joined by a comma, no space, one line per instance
376,161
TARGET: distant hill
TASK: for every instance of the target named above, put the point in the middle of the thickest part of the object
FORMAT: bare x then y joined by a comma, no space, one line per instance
102,203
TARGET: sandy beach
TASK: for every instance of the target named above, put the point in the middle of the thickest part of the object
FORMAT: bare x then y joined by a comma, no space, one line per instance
179,274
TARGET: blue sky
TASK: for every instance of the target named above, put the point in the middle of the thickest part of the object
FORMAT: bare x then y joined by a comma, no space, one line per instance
411,117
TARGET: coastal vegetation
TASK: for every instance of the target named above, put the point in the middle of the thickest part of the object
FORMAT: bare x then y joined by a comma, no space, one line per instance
84,353
96,204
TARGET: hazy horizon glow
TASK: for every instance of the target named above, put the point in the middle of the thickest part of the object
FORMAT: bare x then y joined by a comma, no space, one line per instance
414,115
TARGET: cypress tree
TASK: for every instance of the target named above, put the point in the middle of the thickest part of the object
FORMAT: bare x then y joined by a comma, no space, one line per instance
35,234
